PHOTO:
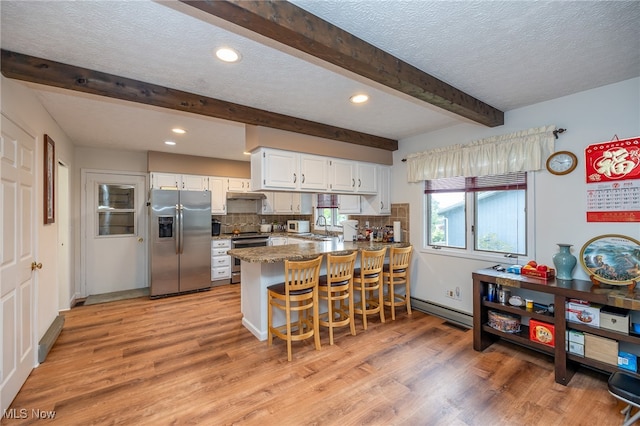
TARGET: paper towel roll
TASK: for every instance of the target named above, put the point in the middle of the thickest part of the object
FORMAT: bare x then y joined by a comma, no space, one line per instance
397,232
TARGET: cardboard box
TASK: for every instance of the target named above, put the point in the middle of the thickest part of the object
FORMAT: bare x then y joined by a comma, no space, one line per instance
601,349
575,336
628,361
576,348
549,273
616,319
542,332
583,312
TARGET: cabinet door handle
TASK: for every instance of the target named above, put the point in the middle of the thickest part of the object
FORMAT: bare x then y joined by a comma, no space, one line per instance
359,183
302,178
295,178
353,182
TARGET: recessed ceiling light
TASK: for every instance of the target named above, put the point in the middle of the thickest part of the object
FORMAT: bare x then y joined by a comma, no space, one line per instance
169,143
179,131
227,55
358,99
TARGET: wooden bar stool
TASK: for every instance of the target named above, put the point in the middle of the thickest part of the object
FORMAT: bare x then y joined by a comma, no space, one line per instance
396,272
337,289
298,293
368,281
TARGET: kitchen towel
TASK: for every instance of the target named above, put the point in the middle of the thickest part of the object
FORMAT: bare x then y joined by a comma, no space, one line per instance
397,232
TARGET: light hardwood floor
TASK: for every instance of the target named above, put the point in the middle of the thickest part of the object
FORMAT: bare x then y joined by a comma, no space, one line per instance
188,360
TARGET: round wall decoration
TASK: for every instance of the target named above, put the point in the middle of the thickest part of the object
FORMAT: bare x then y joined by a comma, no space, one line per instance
612,259
562,162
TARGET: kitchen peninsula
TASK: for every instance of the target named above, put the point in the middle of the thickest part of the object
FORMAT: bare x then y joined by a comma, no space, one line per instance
264,266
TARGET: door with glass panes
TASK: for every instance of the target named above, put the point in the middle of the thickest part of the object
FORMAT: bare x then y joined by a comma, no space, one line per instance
115,234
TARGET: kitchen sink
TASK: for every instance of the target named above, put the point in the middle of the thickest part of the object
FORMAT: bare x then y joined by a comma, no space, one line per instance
320,237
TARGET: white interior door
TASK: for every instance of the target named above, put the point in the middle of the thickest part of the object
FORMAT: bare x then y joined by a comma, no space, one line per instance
115,233
17,252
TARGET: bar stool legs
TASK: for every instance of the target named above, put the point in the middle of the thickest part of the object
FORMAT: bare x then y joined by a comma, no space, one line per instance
397,273
337,289
367,280
297,294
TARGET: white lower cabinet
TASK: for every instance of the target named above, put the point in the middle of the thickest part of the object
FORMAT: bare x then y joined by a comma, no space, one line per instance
220,260
278,241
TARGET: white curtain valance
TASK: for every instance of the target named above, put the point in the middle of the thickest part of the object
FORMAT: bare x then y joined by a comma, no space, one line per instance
522,151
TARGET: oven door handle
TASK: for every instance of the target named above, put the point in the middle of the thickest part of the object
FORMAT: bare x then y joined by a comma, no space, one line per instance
239,244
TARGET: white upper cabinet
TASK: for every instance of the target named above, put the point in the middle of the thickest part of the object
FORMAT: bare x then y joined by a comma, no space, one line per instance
287,203
238,185
285,170
302,203
274,169
313,172
195,183
217,186
178,181
165,181
349,204
353,176
379,204
367,178
342,176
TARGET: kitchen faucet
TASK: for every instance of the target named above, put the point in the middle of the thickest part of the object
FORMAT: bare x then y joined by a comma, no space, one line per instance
324,219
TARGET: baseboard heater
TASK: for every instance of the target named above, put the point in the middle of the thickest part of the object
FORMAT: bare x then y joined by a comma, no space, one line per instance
49,338
444,312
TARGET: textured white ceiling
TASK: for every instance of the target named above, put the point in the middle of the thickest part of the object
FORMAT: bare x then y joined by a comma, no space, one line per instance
507,54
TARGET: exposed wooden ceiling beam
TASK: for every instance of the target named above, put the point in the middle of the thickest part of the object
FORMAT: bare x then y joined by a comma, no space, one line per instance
56,74
294,27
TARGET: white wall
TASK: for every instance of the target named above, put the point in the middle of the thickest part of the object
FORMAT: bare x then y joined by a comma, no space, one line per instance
560,201
20,104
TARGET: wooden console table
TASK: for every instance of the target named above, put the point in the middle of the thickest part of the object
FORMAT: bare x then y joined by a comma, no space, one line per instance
561,290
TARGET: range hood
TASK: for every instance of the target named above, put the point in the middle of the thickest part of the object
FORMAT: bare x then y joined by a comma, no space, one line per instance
245,196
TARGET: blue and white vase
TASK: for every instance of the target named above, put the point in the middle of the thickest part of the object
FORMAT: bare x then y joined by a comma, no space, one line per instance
564,262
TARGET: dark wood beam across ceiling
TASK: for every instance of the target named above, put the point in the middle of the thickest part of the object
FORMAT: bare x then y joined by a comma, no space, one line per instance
50,73
294,27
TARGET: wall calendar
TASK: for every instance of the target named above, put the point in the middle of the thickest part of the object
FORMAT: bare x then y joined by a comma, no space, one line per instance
613,181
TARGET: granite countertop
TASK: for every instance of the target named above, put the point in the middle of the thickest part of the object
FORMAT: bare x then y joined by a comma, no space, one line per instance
259,234
273,254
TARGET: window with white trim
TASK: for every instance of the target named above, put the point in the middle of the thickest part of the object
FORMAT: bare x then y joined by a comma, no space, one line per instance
485,214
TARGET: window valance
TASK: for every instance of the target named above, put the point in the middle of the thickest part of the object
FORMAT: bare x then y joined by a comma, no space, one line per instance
522,151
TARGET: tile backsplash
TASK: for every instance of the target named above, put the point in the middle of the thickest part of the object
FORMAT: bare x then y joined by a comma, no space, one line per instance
399,212
250,222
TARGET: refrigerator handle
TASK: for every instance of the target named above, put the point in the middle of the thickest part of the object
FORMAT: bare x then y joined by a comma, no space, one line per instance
177,228
181,225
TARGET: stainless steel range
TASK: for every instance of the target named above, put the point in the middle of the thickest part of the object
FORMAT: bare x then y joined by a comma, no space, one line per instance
244,240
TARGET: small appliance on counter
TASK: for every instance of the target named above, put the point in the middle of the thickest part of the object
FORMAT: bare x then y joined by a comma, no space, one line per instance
298,226
265,227
215,227
350,230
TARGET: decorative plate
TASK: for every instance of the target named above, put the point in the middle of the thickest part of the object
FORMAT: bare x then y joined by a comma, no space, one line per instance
612,259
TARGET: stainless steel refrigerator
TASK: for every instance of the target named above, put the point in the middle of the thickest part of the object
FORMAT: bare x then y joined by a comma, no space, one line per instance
180,241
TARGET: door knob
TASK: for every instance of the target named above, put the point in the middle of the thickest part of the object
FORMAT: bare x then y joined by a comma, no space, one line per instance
140,239
35,266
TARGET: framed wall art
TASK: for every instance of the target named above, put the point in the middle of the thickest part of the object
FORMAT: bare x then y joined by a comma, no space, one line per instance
49,188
